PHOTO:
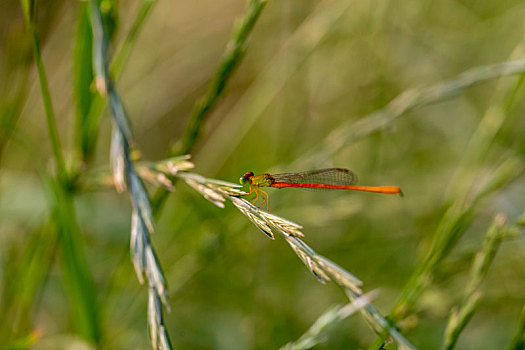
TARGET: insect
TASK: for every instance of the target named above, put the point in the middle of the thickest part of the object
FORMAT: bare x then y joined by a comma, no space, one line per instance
324,179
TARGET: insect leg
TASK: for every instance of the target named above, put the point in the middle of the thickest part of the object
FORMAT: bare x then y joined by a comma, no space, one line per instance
265,200
256,196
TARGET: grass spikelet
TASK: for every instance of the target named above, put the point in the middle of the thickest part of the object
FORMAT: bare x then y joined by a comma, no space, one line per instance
157,332
144,258
252,213
137,245
340,275
317,333
287,227
310,263
117,160
460,317
156,276
175,164
207,193
140,199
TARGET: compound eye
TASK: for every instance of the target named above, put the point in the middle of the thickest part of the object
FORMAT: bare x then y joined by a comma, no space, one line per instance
242,180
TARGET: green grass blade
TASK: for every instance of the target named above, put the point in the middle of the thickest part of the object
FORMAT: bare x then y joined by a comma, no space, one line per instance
24,342
124,51
75,272
10,112
82,91
453,224
25,272
28,7
518,341
231,58
459,318
74,267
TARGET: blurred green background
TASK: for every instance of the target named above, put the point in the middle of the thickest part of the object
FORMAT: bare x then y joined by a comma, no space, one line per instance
310,68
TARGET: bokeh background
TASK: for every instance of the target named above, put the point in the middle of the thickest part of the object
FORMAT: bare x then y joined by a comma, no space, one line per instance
310,69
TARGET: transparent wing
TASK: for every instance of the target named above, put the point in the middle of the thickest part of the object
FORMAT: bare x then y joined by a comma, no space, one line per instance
330,176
